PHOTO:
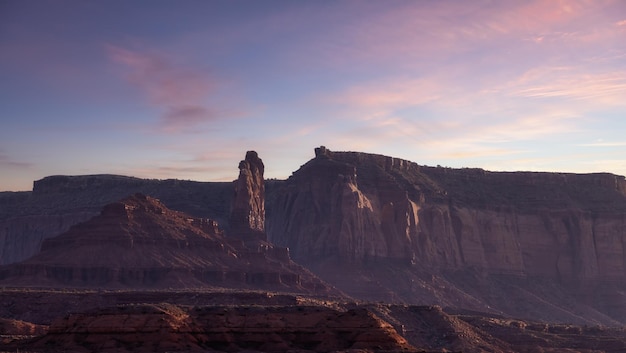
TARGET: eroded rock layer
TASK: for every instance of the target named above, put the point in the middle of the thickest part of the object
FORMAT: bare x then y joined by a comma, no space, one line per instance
307,325
165,327
138,242
548,246
354,215
358,206
59,202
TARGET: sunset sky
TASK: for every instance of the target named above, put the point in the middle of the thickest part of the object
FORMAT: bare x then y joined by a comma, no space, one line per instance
182,89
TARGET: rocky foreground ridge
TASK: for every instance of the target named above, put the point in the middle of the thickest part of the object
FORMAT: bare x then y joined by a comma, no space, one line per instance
264,322
166,327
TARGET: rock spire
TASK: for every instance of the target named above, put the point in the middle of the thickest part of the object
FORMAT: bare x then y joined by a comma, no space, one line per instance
247,217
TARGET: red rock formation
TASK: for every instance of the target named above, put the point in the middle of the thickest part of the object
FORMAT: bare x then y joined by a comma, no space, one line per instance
363,209
138,242
365,206
59,202
13,332
20,328
311,326
386,228
247,218
165,327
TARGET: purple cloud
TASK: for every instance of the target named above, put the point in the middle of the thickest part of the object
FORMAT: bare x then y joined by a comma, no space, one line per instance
183,93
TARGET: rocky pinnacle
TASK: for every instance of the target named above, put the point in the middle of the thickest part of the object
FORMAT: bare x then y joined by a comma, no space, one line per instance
247,217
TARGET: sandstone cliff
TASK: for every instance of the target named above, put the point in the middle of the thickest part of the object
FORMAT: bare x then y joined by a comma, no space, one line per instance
534,245
58,202
367,212
361,206
138,242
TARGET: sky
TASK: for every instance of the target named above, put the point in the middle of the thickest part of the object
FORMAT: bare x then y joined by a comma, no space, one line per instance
182,89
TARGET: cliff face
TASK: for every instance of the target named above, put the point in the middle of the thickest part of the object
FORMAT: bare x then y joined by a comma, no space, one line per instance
21,236
533,245
138,242
357,207
352,215
58,202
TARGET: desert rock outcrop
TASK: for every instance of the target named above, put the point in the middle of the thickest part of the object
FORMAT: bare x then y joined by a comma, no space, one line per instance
138,242
358,214
247,217
548,246
308,325
165,327
362,206
59,202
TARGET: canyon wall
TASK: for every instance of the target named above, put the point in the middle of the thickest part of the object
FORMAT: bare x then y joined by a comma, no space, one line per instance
58,202
357,206
544,245
138,242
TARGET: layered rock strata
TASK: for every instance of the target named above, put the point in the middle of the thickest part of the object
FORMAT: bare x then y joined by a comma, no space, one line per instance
138,242
384,228
165,327
308,327
59,202
361,206
353,215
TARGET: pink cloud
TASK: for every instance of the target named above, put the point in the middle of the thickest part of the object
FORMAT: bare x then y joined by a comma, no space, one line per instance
178,117
394,93
183,93
217,160
425,35
574,83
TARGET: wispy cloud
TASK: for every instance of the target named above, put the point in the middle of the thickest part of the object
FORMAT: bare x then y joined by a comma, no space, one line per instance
392,94
184,171
183,93
604,144
448,119
194,157
9,162
429,34
604,88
